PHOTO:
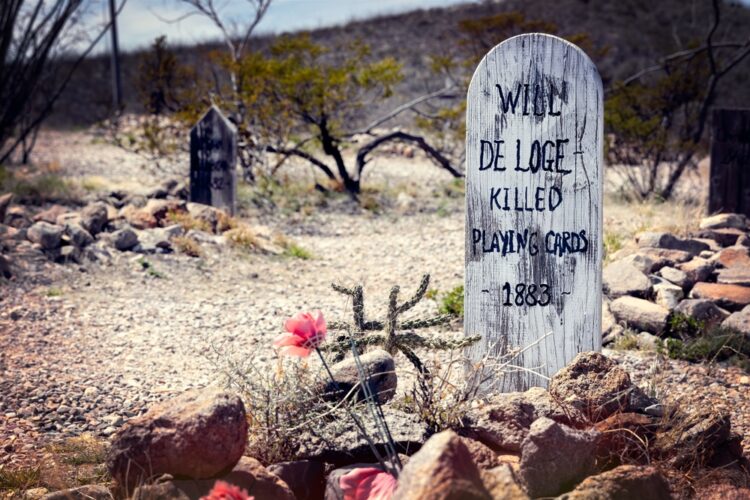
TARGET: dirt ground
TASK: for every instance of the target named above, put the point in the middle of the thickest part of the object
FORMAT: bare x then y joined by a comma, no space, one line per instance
84,348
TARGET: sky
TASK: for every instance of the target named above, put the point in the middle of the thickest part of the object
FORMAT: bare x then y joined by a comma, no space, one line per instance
143,20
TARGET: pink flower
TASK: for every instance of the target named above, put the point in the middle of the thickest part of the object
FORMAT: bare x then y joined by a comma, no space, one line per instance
226,491
367,483
303,334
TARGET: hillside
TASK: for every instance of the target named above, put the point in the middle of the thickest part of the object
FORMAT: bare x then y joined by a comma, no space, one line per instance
634,32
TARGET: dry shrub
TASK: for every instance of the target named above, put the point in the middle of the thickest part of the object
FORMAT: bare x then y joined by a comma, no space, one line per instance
225,222
188,222
243,238
187,246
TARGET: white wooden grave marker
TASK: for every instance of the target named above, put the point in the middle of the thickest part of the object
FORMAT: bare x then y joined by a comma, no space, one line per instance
534,129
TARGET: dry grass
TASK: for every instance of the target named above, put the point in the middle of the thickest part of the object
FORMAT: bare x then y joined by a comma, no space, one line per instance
188,222
187,246
243,238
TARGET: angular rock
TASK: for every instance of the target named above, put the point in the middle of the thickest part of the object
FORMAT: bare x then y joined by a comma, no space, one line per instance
78,235
724,237
696,269
731,297
593,384
305,478
503,423
736,256
199,434
693,436
441,470
51,214
608,319
160,209
668,295
211,216
640,314
87,492
482,455
17,217
338,442
124,239
642,262
5,201
501,483
701,310
47,235
734,276
739,321
625,482
378,364
663,257
671,242
724,221
621,278
554,458
68,254
6,269
138,218
674,276
94,217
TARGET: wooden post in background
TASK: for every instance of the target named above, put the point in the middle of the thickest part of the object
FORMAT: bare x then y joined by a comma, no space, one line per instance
729,185
534,207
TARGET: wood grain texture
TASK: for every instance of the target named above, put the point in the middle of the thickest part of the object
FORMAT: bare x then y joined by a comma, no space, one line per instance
213,161
729,187
573,315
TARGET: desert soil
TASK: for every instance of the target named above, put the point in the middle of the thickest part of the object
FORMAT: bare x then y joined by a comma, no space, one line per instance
82,349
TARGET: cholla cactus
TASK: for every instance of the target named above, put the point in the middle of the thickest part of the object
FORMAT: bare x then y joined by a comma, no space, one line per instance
362,331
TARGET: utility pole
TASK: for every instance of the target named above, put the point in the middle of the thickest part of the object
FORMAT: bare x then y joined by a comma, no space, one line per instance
116,78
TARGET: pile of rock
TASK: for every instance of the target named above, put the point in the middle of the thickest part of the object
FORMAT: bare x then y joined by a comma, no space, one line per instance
118,222
593,434
705,277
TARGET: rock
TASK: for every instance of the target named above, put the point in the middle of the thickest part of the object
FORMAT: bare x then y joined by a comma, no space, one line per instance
593,384
51,214
5,201
503,423
47,235
739,321
668,295
338,442
734,276
17,217
68,218
6,269
378,364
621,278
78,235
94,217
642,262
68,254
482,455
723,491
696,269
199,434
138,218
608,319
305,478
501,483
441,470
701,310
674,276
124,239
724,221
731,297
647,342
555,457
693,436
663,257
614,334
625,482
736,256
160,209
640,314
209,215
671,242
34,493
724,237
87,492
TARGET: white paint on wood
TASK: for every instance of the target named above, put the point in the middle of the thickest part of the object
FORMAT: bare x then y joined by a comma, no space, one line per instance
564,74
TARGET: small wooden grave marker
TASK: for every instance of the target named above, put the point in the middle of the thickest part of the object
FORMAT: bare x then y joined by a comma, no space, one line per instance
213,159
534,129
729,187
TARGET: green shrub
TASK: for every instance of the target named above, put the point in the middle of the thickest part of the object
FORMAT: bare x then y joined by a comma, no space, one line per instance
452,302
717,344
